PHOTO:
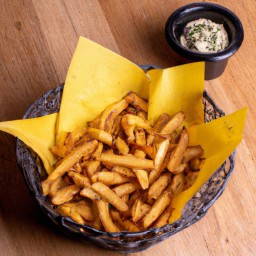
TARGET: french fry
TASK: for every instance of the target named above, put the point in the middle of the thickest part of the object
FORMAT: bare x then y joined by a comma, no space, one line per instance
129,226
110,113
126,161
125,198
89,193
98,151
65,194
126,189
100,135
124,171
175,122
190,179
115,215
157,209
180,168
139,153
105,217
56,186
130,122
158,126
140,137
85,211
109,178
121,146
196,164
92,167
163,219
178,152
79,179
69,212
85,149
136,101
178,183
139,210
117,126
192,153
46,186
161,153
110,196
142,177
159,185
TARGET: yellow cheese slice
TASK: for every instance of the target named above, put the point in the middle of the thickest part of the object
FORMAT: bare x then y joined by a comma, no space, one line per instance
177,89
219,138
96,78
37,133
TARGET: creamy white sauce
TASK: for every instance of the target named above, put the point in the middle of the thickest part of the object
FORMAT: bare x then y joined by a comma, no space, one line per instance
203,35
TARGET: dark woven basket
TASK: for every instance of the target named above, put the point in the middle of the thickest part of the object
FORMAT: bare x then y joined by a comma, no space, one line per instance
126,242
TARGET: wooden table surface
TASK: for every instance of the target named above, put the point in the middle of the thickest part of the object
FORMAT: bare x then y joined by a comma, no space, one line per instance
37,40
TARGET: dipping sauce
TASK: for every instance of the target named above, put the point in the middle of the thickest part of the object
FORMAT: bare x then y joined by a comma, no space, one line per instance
205,36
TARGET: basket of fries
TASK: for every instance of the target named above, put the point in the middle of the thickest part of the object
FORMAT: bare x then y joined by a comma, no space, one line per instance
122,156
122,241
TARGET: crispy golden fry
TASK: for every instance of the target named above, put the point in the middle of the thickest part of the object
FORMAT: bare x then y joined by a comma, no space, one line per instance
124,171
91,194
59,149
180,168
65,194
139,210
142,114
139,153
178,152
163,219
115,215
96,223
174,123
121,146
129,226
105,217
142,177
57,185
178,183
92,167
98,151
79,179
136,101
109,178
110,113
85,149
127,161
126,189
110,196
69,212
46,186
95,123
158,126
117,126
148,150
157,209
161,153
125,198
190,179
159,185
130,122
140,137
196,164
84,210
100,135
154,174
72,138
192,153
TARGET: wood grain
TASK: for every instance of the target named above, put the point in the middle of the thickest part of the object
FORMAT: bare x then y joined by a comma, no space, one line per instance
37,40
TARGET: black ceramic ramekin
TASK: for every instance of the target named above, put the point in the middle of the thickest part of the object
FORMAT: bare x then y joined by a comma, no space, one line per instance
215,63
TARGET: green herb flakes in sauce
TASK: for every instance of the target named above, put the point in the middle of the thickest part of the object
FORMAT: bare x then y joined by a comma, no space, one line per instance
203,35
